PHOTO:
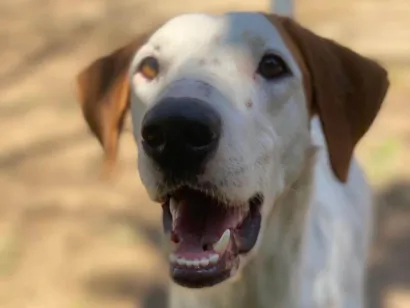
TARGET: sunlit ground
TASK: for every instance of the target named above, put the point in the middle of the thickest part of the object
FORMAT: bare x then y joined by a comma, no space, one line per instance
68,240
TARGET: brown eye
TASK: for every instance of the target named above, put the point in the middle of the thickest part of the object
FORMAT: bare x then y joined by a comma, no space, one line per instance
149,68
272,66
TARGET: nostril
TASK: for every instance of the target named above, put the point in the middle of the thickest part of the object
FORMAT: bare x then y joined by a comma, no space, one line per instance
153,136
198,136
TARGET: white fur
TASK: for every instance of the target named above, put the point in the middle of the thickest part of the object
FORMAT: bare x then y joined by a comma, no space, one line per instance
311,250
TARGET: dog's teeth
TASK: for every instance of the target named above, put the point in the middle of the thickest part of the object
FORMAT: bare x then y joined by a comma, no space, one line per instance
189,263
223,242
214,259
196,263
204,262
181,262
173,208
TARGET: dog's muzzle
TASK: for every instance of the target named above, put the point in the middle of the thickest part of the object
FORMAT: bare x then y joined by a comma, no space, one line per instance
181,132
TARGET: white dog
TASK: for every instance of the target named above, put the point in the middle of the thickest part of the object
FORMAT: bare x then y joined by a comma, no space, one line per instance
246,125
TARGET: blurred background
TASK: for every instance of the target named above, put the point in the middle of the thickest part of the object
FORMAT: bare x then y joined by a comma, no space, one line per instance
70,240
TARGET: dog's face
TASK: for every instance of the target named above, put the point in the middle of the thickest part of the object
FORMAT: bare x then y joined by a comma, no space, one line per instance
217,103
236,73
221,107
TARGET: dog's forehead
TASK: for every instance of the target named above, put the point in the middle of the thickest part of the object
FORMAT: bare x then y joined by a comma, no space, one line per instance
250,30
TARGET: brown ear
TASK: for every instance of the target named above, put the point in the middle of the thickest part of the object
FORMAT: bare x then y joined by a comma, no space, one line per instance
347,91
104,94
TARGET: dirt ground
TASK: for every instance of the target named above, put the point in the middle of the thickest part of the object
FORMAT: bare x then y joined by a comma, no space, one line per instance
70,240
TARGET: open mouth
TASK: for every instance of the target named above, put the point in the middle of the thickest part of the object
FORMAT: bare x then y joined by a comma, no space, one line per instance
208,236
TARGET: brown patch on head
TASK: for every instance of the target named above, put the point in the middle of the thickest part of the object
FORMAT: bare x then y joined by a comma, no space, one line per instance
104,93
249,103
344,88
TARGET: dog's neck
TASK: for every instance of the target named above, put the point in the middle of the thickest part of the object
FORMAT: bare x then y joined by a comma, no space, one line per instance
270,280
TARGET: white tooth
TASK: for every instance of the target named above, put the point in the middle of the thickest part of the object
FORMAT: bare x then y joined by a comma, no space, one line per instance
204,262
223,242
214,258
189,263
196,263
173,258
181,261
173,208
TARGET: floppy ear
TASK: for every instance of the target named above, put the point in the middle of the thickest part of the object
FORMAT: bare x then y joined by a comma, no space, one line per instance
347,92
104,94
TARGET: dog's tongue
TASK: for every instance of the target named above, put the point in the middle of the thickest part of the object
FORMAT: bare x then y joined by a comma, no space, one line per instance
201,221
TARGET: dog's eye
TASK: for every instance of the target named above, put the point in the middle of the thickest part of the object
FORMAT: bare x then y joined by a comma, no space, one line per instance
149,68
272,66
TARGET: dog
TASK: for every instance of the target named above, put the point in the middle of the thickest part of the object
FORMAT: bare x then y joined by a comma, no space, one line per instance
246,125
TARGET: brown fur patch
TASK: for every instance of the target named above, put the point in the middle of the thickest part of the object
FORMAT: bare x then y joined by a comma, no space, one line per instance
104,93
346,89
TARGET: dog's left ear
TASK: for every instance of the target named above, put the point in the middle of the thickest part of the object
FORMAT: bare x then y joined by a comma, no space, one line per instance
347,91
104,93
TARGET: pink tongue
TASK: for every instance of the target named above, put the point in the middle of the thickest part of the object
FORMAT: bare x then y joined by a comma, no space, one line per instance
201,221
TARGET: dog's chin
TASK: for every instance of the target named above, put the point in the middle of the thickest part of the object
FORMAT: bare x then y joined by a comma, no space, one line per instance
208,235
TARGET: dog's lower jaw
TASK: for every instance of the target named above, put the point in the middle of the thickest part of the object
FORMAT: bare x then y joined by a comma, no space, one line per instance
270,279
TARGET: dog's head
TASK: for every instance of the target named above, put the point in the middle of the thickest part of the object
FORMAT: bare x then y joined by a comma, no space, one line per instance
221,109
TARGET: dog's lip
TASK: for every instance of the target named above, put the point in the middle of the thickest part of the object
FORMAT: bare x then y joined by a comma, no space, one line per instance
243,237
207,276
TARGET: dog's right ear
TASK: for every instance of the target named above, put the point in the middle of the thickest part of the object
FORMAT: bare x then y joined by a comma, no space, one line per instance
104,93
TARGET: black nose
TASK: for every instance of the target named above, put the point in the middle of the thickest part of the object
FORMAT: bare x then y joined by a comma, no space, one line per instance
181,134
